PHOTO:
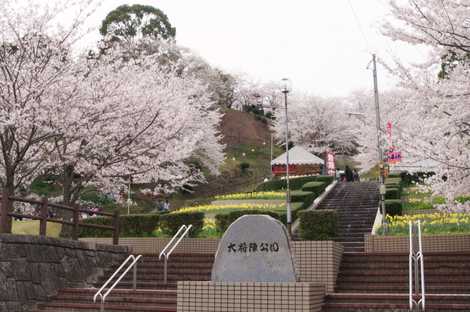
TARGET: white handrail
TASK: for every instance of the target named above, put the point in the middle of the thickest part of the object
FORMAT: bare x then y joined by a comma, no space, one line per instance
132,265
421,261
416,260
410,266
172,247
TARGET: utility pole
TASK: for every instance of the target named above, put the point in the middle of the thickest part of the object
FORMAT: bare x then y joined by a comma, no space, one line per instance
286,89
379,145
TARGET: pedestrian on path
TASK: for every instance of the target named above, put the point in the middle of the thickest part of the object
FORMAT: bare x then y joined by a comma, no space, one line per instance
356,176
349,174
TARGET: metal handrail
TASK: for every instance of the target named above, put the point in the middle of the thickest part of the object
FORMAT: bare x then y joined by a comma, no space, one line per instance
171,246
420,258
133,264
416,260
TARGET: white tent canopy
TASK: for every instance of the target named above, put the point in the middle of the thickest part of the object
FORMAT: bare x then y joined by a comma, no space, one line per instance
298,156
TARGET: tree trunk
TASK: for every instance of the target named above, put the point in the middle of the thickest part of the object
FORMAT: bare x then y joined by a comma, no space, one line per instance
67,185
7,205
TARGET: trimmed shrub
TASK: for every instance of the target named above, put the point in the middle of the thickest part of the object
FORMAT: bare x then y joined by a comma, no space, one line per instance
295,183
170,223
223,221
318,224
326,179
314,187
393,193
130,226
306,198
393,207
244,166
276,185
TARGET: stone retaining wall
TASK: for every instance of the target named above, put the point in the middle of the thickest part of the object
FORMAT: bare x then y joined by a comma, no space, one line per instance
236,297
33,267
434,243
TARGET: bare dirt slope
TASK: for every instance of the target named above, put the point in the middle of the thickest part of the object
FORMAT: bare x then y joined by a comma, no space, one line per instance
243,128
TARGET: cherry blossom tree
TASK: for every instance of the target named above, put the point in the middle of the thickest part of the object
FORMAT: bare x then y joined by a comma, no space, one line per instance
318,124
436,122
99,118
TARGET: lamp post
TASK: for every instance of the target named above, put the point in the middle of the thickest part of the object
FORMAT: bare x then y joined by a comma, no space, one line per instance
286,88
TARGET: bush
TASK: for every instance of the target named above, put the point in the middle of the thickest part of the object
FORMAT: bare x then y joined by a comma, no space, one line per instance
314,187
393,193
276,185
129,226
223,221
393,207
326,179
244,166
306,198
318,224
170,223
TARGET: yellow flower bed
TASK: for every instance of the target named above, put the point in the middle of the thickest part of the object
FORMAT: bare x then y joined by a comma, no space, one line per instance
252,195
229,207
435,223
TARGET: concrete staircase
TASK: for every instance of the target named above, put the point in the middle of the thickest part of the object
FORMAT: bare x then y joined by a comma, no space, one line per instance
356,204
152,294
379,282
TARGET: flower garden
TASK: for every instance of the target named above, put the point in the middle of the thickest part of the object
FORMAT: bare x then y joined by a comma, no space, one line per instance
252,195
212,220
431,224
407,203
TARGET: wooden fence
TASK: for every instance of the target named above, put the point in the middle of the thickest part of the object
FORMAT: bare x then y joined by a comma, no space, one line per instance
44,216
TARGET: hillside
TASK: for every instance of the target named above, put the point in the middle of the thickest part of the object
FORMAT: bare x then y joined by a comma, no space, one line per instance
247,138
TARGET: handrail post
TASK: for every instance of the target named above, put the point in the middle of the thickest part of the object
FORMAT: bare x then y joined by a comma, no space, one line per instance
134,278
43,214
76,220
165,271
410,267
116,228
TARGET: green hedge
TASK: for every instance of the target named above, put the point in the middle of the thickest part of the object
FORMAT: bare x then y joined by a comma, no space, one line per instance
326,179
130,226
294,183
306,198
276,185
393,207
318,224
170,223
223,221
393,193
314,187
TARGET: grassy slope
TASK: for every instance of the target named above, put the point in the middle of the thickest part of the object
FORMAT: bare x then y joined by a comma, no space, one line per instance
32,228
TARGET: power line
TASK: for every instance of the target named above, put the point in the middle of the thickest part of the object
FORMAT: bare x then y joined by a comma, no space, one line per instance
359,25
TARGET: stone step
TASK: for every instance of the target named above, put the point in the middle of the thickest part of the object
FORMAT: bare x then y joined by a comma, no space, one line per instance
91,307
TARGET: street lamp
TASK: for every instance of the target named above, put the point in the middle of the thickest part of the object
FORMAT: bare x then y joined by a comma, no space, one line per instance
286,87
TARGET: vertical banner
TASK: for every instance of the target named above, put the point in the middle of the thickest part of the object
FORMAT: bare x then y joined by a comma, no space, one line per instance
330,163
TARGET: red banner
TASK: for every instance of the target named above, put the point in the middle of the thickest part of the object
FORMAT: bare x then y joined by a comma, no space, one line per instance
330,163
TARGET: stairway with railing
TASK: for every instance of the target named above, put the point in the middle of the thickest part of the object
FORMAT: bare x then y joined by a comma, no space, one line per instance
401,282
151,286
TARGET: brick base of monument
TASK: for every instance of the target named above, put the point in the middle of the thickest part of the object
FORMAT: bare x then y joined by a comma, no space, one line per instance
198,296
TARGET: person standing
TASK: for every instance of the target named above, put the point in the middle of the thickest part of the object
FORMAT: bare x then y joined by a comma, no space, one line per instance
355,176
166,206
349,174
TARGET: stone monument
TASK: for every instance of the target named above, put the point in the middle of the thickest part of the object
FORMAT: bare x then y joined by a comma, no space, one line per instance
255,248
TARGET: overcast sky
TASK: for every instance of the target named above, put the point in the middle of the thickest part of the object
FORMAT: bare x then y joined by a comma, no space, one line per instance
317,44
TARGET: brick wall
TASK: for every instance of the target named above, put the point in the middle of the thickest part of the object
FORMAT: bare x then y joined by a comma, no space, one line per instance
400,244
33,268
154,245
315,261
318,262
249,297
